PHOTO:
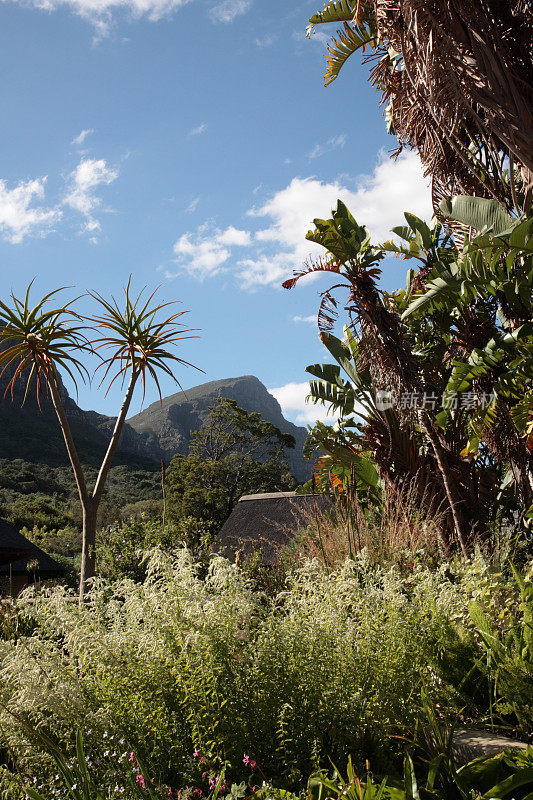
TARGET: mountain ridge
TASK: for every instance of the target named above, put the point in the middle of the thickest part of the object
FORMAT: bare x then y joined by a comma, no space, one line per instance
156,433
166,427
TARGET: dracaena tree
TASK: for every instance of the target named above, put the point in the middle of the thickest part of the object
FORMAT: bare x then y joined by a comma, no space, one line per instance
132,340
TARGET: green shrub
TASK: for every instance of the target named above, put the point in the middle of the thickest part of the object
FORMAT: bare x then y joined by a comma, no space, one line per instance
328,667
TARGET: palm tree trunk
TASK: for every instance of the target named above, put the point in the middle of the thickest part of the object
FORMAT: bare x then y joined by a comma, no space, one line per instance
88,551
461,529
89,502
113,443
77,468
88,512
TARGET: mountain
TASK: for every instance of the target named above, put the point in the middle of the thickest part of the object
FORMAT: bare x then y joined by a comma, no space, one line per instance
166,428
32,434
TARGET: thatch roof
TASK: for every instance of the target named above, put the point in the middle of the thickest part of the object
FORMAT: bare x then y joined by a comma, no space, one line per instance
12,544
267,522
19,556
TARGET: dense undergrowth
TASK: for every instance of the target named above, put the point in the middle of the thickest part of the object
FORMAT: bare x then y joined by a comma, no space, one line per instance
334,665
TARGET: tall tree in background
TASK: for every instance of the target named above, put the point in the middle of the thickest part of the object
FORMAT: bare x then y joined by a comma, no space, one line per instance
235,452
134,343
456,79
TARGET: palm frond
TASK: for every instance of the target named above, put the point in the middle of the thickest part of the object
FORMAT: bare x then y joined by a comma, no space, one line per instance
349,40
136,339
335,11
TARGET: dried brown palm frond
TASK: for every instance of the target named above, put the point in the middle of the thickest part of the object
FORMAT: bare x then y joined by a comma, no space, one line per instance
462,90
456,79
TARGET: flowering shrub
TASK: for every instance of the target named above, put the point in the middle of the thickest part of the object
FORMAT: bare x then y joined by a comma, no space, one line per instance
202,676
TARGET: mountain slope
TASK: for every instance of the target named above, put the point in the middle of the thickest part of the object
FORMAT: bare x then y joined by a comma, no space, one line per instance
166,429
32,434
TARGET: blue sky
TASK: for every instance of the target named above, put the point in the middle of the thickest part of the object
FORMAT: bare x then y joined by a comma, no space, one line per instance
189,143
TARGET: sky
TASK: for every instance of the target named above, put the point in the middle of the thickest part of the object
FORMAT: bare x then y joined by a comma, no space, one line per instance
189,144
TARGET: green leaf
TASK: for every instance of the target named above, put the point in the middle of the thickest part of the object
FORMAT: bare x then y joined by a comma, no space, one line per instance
477,212
410,784
335,11
522,777
350,39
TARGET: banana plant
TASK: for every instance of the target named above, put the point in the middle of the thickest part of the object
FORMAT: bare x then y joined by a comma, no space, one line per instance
358,32
488,289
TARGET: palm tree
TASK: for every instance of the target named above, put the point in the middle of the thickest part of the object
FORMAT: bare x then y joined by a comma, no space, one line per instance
132,343
456,79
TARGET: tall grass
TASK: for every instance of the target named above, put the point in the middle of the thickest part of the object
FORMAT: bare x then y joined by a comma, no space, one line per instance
397,532
328,667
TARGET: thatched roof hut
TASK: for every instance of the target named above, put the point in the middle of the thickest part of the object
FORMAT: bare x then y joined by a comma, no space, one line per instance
22,562
12,544
266,522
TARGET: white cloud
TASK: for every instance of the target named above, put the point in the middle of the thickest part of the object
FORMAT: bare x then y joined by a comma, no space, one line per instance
291,398
84,180
265,41
100,13
193,205
312,319
229,9
378,201
276,249
18,217
79,140
332,144
203,254
231,236
201,128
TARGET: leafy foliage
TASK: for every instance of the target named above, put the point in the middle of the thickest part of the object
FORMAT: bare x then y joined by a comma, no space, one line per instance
329,667
234,453
509,656
431,384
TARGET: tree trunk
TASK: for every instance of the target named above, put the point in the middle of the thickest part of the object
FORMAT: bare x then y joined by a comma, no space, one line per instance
88,547
90,508
89,503
461,530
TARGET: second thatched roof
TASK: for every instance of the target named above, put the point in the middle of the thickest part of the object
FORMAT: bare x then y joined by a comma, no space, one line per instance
19,556
266,522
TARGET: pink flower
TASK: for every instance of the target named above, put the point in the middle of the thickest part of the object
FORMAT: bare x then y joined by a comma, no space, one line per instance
252,764
196,754
246,760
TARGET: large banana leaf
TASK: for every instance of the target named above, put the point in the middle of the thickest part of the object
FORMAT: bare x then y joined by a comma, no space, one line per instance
340,235
479,213
445,285
349,40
